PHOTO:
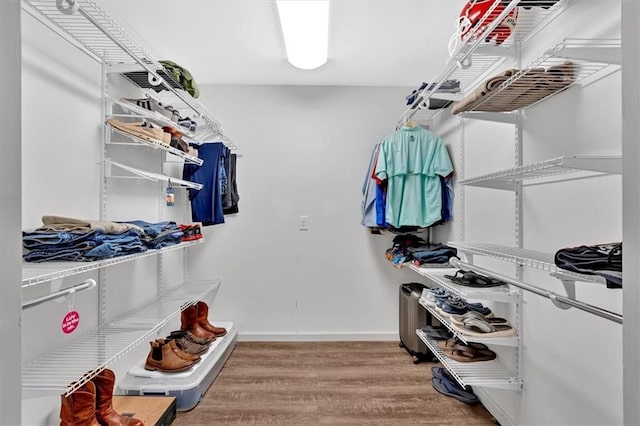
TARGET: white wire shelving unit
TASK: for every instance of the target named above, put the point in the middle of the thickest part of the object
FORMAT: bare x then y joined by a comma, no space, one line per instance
39,273
72,364
86,25
137,173
500,341
158,145
482,373
437,277
509,179
155,117
569,62
530,258
474,58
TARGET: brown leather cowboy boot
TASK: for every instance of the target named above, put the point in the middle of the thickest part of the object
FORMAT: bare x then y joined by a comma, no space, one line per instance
105,413
189,321
79,408
203,320
162,357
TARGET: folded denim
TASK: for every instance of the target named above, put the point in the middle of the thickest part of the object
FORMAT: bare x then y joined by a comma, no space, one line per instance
130,236
36,256
152,229
41,240
107,250
165,239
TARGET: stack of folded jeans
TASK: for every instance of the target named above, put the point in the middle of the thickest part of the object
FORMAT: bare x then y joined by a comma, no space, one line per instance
69,239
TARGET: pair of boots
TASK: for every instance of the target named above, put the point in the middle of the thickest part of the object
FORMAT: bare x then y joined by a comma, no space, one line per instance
91,404
195,319
166,356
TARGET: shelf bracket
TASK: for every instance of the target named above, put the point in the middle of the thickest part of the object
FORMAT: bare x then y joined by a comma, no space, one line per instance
496,184
605,55
496,117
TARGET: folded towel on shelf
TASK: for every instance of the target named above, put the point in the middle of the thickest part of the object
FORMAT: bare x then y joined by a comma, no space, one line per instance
525,89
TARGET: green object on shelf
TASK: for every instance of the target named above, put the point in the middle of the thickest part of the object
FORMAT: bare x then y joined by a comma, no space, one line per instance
183,76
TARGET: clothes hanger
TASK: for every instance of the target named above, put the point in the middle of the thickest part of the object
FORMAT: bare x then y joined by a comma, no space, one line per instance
411,123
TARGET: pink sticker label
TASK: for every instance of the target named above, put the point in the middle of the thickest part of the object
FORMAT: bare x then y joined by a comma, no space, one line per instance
70,322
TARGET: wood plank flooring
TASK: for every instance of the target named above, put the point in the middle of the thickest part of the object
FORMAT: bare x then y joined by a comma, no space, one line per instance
327,383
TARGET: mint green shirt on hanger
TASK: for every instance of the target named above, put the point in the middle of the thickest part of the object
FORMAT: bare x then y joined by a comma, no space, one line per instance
412,159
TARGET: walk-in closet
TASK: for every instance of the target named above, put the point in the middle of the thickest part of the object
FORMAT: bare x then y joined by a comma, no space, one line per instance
320,212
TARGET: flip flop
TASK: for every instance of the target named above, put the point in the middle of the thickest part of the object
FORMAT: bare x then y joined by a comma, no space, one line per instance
454,390
460,319
454,341
465,353
472,279
482,328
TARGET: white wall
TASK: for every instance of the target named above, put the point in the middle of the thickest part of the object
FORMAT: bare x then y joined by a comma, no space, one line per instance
10,119
571,361
306,150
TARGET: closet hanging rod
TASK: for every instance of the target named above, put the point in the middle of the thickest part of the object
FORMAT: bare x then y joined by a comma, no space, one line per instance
86,285
555,298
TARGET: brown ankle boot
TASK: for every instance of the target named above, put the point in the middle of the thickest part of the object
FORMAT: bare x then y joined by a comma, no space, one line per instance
189,321
203,320
105,413
162,357
176,350
79,408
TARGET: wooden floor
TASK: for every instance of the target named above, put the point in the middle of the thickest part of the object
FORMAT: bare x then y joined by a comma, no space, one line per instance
355,383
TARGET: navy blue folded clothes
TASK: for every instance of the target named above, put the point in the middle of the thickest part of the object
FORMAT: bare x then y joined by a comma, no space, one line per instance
602,259
441,255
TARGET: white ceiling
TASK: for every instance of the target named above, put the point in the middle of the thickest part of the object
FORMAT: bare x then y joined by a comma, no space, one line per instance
372,43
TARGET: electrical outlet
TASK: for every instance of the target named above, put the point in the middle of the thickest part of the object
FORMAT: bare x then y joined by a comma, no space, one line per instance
303,223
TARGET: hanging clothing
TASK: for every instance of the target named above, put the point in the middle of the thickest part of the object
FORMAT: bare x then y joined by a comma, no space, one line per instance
230,197
412,159
369,189
206,204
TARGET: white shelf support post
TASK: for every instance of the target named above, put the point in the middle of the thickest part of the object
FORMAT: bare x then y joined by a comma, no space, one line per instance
631,209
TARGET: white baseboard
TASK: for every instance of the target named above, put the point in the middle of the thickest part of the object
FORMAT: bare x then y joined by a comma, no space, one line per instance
492,406
318,337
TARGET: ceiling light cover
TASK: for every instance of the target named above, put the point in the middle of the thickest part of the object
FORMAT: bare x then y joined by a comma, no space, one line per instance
305,26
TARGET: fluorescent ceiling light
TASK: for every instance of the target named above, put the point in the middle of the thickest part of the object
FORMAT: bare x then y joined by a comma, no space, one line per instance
305,26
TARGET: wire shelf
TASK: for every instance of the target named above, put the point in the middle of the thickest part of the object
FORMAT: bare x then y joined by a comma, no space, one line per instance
566,64
71,365
508,179
500,341
474,58
39,273
87,26
495,294
155,117
529,258
178,183
483,373
159,145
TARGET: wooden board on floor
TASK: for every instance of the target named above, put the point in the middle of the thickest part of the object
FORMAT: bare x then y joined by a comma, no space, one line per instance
152,410
327,383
